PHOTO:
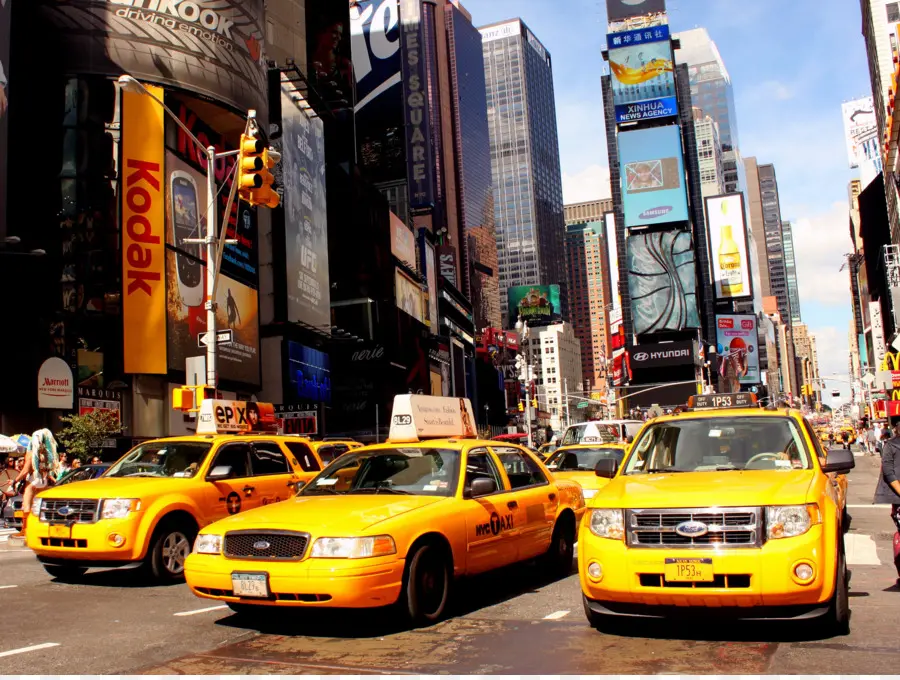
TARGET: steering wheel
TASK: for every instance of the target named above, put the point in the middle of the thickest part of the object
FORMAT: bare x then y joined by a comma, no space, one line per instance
762,456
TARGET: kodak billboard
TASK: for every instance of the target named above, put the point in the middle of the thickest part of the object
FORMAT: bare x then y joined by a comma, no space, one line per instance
143,233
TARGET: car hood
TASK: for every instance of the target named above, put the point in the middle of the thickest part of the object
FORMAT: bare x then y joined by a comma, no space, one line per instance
587,480
737,488
327,515
119,487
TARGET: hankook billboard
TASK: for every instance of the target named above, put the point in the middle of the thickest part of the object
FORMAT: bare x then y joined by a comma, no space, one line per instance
209,47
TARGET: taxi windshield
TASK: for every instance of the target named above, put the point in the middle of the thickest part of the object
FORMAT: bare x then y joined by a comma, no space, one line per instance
583,460
719,444
161,459
403,471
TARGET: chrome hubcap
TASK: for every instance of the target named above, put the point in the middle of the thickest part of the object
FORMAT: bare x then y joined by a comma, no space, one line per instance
175,550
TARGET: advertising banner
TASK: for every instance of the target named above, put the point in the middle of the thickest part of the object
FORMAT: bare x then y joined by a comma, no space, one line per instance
431,275
209,47
613,254
328,51
90,368
653,184
309,373
617,10
409,296
728,251
143,238
219,416
861,131
237,309
416,416
305,215
662,282
5,27
87,406
642,71
419,161
737,336
447,264
879,347
538,305
304,423
662,354
56,385
403,242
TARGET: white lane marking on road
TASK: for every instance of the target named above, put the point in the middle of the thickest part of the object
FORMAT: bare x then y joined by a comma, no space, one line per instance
202,611
860,549
556,615
880,506
33,648
7,587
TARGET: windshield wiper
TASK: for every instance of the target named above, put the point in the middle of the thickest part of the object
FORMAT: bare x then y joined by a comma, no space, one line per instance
323,489
386,489
142,474
661,470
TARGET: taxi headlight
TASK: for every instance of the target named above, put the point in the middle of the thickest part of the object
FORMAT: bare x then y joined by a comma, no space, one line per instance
208,544
785,521
36,507
607,523
354,548
117,508
589,493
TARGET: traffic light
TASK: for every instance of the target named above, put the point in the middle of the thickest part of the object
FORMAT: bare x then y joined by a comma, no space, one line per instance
534,402
250,168
267,195
521,407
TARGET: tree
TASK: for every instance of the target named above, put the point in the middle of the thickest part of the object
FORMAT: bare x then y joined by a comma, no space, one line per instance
84,434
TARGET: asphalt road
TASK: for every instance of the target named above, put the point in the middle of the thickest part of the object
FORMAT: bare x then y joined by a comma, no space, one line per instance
506,623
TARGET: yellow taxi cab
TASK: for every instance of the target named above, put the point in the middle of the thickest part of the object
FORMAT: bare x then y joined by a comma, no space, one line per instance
579,463
146,510
546,450
394,523
723,510
329,449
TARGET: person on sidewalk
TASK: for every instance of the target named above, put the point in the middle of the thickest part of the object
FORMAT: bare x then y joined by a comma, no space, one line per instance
888,490
41,469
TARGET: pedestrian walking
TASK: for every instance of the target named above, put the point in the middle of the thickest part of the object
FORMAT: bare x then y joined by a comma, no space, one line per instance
40,470
870,440
888,489
845,440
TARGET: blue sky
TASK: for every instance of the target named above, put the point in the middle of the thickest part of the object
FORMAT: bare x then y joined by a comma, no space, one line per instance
792,65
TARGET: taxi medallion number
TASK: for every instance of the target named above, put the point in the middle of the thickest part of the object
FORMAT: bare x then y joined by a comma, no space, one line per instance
60,531
690,569
250,584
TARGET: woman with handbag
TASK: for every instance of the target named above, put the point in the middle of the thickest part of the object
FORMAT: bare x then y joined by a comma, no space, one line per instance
41,469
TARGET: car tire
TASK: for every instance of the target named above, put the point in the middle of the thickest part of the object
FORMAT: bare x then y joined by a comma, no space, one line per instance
561,553
595,620
836,620
427,582
845,520
170,545
65,574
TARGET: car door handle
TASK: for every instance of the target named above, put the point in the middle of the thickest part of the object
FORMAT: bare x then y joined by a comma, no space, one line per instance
552,496
512,505
249,489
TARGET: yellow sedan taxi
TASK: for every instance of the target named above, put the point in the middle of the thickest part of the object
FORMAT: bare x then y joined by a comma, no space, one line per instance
146,510
579,464
719,511
394,523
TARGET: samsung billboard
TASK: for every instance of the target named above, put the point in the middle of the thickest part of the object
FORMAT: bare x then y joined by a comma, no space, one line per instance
653,182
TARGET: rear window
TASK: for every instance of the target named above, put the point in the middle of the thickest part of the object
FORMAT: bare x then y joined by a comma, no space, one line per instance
707,444
582,460
590,433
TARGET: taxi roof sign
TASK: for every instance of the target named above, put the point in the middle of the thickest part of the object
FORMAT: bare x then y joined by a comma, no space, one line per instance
222,416
713,401
417,416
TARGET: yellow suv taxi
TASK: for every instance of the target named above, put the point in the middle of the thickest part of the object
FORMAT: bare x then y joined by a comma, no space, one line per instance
722,511
146,510
394,523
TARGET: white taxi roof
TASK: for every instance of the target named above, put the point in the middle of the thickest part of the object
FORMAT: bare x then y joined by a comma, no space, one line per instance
417,417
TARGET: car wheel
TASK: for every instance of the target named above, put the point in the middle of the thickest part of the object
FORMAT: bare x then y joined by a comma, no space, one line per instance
169,548
558,560
426,585
837,620
64,573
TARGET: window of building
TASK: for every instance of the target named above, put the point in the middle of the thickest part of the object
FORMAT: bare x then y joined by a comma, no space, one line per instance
893,12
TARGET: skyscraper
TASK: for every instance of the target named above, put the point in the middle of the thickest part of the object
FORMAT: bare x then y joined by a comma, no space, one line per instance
790,266
709,153
774,240
712,92
757,227
590,290
527,180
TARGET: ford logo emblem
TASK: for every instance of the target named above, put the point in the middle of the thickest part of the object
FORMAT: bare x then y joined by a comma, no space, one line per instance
65,511
641,356
261,545
691,529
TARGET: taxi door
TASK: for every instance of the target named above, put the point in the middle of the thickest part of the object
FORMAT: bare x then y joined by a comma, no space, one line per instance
536,497
237,492
491,527
273,478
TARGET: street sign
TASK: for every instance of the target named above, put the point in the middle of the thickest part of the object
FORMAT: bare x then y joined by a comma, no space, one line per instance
222,338
581,404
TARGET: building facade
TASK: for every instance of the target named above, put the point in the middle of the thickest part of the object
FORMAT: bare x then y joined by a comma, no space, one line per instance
524,147
709,153
556,357
790,269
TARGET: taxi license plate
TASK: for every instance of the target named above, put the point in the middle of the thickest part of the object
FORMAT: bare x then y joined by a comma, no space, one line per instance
60,531
689,569
19,514
250,584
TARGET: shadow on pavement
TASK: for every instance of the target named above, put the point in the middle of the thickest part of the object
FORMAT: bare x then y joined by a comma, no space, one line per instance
114,578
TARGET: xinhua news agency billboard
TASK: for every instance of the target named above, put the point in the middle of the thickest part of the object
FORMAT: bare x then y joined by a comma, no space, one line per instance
642,74
738,342
651,164
538,305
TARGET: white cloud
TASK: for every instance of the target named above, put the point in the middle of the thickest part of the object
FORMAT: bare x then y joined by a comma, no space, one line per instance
820,243
590,184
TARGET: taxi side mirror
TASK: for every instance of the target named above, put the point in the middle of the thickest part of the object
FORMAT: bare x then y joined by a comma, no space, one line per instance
219,472
606,468
482,486
840,461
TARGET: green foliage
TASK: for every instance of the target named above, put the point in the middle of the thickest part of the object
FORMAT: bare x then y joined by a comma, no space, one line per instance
84,434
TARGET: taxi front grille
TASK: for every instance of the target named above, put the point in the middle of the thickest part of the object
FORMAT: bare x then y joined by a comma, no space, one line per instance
734,527
78,510
266,545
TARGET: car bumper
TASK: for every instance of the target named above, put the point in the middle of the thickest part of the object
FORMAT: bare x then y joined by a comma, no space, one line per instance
744,577
310,582
87,544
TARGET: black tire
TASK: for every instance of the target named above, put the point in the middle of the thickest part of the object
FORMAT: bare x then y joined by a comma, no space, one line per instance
64,573
845,520
837,620
427,581
561,553
170,545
